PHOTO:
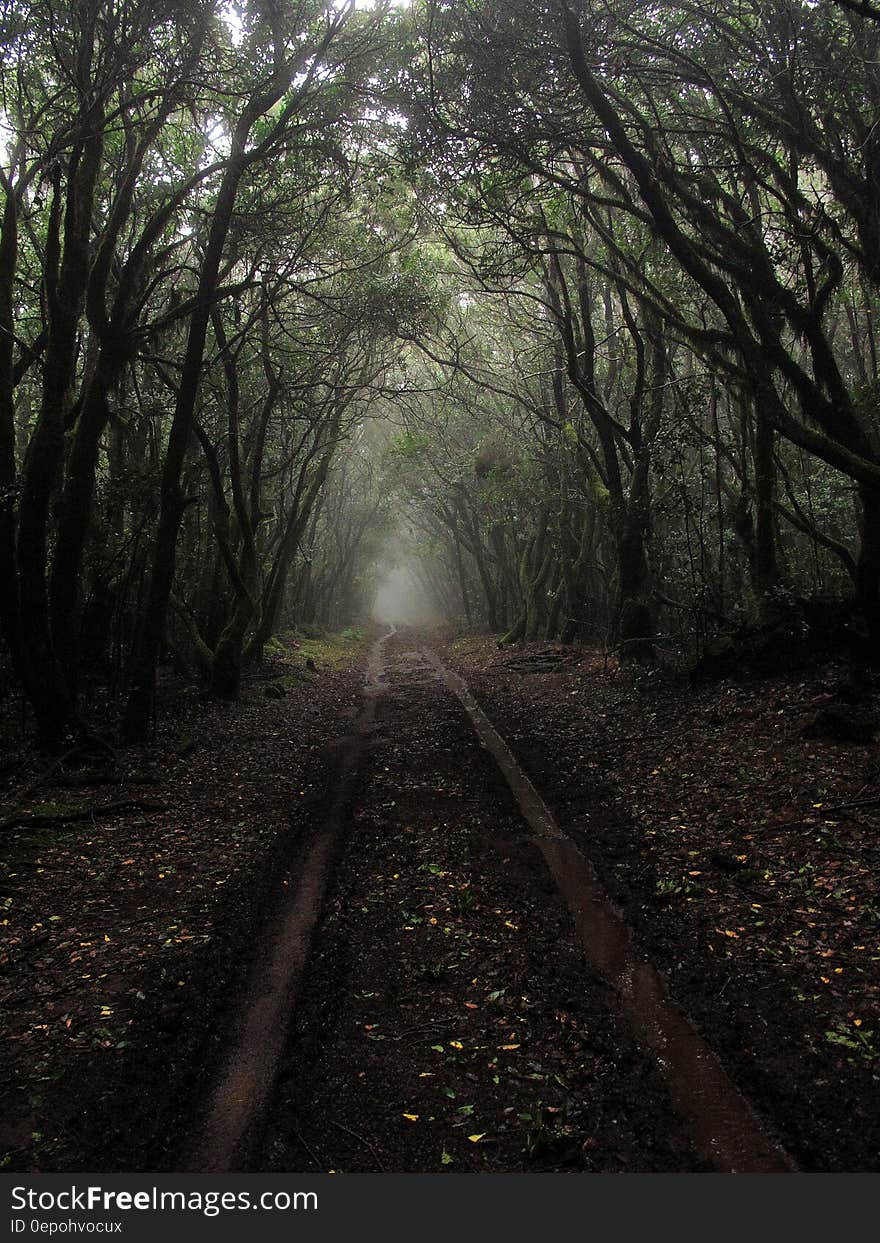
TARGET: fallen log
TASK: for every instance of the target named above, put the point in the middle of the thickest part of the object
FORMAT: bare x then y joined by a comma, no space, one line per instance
101,811
77,780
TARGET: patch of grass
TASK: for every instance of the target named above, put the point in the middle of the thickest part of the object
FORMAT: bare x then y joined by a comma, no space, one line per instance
854,1038
53,809
328,651
295,678
675,887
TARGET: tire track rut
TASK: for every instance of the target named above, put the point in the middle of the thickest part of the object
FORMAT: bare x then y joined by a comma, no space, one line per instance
440,1012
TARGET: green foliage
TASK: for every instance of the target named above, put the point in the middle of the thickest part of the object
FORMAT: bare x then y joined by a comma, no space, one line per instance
615,310
399,303
856,1039
409,444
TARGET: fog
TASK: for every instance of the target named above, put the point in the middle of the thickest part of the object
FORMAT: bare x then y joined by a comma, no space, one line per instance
401,601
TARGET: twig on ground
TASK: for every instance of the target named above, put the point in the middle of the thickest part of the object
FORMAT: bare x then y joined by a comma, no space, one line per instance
76,780
320,1164
26,820
860,804
361,1140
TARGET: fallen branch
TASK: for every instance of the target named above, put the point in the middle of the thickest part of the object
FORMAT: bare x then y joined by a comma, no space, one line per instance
27,820
860,804
362,1139
80,748
320,1164
76,780
49,772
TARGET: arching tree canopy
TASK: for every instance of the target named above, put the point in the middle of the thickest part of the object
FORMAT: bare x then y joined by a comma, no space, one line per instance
566,307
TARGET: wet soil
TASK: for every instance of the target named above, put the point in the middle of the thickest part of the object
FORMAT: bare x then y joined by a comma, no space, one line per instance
743,855
125,938
225,1130
448,1019
346,892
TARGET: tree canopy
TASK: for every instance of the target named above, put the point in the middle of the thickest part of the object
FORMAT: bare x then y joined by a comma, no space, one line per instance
567,307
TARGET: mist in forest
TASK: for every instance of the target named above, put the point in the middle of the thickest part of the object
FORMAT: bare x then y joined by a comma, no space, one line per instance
401,599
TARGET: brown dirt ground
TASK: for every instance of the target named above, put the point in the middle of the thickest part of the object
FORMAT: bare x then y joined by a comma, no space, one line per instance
448,1020
124,938
728,840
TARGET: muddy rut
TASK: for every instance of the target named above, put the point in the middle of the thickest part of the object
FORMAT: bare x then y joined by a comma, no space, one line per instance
444,984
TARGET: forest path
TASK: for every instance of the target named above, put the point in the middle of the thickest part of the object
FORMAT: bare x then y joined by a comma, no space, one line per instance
720,1122
240,1095
446,1017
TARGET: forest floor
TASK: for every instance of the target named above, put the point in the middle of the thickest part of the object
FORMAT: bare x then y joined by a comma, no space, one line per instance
744,855
446,1018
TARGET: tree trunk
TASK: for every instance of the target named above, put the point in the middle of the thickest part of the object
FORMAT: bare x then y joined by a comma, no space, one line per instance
66,278
151,630
9,619
765,572
868,564
74,517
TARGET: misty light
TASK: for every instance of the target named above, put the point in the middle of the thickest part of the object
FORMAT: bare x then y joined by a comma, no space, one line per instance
401,601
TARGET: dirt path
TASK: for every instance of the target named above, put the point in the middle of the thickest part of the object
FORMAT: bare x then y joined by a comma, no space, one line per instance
742,852
720,1123
225,1136
446,1017
356,936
